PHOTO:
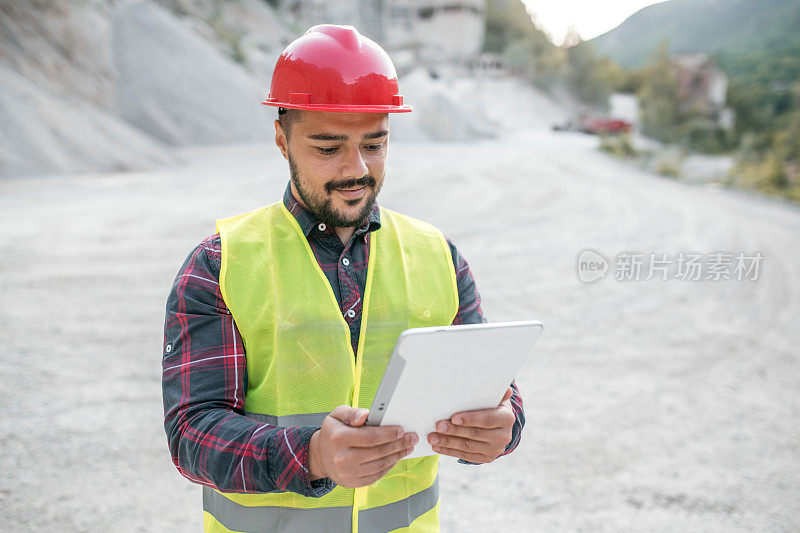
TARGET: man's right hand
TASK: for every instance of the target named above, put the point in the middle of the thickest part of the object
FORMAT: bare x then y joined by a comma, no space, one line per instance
354,455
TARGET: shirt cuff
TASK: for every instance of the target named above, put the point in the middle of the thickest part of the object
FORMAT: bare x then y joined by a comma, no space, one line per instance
302,484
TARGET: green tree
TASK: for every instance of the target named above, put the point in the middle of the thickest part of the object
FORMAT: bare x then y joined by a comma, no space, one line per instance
658,97
536,59
591,77
507,21
527,50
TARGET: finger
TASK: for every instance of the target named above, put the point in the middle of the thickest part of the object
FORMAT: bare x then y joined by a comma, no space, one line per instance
386,463
372,478
468,432
380,467
387,470
459,443
484,418
372,436
352,416
360,417
368,455
459,454
507,395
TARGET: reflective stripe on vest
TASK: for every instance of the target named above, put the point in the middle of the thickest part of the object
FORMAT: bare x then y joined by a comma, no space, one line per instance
300,362
380,519
303,419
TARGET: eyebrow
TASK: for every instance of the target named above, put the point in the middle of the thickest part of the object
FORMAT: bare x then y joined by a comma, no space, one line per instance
376,134
331,137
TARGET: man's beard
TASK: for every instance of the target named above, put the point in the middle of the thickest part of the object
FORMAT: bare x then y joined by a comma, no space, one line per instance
323,208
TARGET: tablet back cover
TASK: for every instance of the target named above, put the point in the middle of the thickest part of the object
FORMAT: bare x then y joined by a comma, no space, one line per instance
451,369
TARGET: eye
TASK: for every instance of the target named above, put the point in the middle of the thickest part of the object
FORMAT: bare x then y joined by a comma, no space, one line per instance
327,150
374,147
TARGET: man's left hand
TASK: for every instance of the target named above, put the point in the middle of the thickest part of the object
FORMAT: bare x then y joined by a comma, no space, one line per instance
476,436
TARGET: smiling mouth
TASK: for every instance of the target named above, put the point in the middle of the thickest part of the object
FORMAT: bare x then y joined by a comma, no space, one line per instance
352,192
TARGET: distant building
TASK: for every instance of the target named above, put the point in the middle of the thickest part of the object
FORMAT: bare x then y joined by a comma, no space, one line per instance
624,106
702,89
438,31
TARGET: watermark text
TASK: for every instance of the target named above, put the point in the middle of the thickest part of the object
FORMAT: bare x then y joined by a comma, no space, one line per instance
592,266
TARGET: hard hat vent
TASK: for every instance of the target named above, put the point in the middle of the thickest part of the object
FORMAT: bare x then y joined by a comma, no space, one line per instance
346,36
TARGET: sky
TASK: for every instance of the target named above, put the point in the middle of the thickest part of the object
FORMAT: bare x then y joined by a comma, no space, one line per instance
590,17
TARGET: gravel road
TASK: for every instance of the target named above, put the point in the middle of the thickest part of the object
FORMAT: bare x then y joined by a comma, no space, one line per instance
652,405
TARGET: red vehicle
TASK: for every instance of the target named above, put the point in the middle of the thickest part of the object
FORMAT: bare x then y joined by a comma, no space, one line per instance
602,126
596,126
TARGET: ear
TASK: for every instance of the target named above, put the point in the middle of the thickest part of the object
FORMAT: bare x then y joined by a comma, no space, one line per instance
280,139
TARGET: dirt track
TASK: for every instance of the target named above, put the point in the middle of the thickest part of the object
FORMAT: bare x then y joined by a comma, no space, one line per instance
652,405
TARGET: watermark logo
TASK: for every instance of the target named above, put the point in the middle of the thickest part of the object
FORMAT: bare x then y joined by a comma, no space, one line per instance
592,266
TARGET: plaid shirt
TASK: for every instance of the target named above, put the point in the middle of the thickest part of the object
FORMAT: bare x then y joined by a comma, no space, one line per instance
204,376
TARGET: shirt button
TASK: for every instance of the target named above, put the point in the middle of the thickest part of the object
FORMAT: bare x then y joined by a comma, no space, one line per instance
345,261
168,348
321,226
351,313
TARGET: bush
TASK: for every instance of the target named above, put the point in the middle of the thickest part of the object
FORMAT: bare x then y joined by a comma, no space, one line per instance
669,165
619,146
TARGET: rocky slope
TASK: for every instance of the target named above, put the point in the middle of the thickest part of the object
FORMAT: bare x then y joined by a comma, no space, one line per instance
107,85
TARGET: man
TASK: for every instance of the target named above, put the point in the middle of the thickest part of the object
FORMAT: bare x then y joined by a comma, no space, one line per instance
280,325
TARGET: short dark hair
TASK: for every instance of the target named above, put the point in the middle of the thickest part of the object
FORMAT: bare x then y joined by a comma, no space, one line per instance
287,117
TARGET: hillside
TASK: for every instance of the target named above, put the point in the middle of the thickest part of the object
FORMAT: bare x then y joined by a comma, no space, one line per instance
108,85
722,27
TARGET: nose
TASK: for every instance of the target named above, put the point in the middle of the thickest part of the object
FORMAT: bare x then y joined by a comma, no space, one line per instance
353,164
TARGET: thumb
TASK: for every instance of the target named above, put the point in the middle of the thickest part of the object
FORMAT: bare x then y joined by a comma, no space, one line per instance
352,416
507,395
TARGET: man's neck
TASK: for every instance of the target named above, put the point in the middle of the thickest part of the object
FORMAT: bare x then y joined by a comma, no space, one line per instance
345,234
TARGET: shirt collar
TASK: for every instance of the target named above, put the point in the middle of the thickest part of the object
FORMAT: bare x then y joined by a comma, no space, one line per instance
308,220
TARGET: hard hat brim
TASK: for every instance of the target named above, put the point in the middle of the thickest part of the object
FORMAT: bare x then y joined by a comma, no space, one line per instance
343,108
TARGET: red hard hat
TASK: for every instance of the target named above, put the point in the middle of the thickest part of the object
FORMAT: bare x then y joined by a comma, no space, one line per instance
335,68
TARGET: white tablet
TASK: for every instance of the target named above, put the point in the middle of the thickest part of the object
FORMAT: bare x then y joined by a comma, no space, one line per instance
439,371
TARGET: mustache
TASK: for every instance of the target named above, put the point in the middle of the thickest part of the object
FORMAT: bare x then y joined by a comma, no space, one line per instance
363,181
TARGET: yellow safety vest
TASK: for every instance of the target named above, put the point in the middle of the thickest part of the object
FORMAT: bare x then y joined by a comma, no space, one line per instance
300,363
